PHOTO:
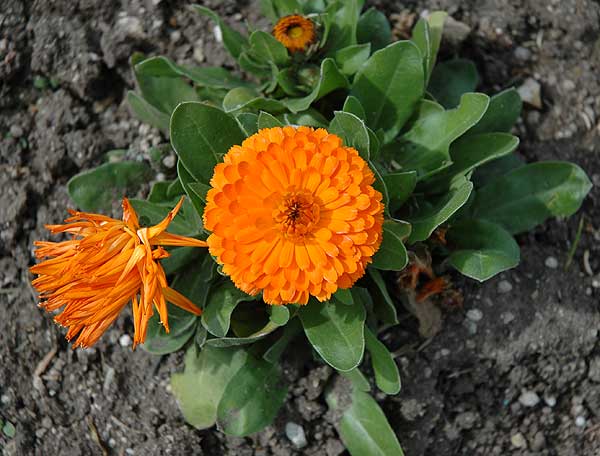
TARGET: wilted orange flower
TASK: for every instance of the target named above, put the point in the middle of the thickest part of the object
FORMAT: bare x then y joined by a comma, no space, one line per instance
295,32
106,264
293,213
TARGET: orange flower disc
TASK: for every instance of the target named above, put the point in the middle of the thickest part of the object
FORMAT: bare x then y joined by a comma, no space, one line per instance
106,264
293,213
295,32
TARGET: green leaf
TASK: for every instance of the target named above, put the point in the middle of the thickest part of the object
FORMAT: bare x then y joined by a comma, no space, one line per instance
266,120
392,255
433,213
289,333
243,98
358,379
422,39
451,80
387,376
232,39
265,48
95,190
224,342
481,249
365,430
488,172
469,152
188,182
178,258
330,79
252,398
267,9
187,222
503,112
389,86
164,92
200,387
436,28
384,306
529,195
353,132
201,135
222,300
336,331
248,122
420,150
214,77
287,7
147,113
182,326
310,117
400,186
373,27
344,22
353,106
279,315
351,58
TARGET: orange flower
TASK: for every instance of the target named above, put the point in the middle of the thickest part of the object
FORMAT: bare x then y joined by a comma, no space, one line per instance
293,213
106,264
295,32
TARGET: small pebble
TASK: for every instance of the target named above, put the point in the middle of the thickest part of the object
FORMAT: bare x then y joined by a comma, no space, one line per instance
16,131
530,93
551,262
125,340
198,53
169,161
5,399
295,433
504,286
550,401
529,399
175,36
539,441
580,421
475,314
507,317
522,53
518,440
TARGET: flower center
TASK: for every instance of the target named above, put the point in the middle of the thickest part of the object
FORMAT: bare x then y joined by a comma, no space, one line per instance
297,213
295,32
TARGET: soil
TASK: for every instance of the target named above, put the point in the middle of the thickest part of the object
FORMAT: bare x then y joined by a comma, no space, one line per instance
515,370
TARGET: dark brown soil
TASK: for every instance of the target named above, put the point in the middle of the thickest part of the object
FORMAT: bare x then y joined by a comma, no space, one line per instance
516,371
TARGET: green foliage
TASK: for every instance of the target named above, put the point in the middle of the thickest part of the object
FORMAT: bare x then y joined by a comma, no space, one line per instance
442,157
95,190
336,331
363,426
481,249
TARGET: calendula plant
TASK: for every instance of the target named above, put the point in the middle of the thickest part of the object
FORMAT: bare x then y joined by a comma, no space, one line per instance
334,157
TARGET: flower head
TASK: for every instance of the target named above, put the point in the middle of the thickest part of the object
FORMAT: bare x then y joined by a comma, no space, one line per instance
293,213
106,264
295,32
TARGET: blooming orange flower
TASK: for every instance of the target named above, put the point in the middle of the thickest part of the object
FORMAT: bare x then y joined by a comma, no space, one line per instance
295,32
106,264
293,213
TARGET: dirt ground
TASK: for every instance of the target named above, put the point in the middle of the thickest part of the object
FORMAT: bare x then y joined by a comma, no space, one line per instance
516,371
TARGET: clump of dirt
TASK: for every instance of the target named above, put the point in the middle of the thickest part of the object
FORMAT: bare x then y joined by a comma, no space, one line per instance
516,370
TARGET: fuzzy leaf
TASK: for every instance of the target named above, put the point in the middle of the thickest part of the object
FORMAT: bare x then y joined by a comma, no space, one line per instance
481,249
392,255
451,80
502,113
373,27
389,86
336,332
201,135
527,196
387,376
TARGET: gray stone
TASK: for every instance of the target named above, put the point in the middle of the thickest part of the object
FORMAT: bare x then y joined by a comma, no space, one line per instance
551,262
518,440
295,433
529,399
475,314
504,286
530,92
